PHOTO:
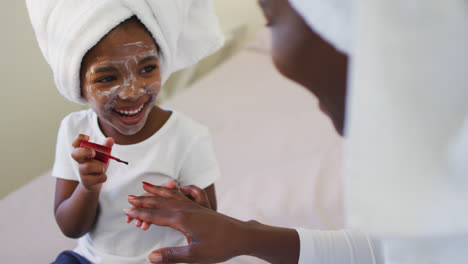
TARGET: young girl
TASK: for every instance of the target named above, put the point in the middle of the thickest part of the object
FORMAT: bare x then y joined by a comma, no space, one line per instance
122,62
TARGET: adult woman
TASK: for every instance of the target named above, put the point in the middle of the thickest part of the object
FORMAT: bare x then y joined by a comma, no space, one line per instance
300,54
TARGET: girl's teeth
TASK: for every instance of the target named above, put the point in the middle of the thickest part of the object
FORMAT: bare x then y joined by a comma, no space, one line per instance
134,112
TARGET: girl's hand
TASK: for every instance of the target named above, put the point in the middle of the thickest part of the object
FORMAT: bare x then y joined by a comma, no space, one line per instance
171,190
92,172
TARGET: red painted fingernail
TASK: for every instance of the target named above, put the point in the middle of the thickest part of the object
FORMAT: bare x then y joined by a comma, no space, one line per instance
131,196
148,184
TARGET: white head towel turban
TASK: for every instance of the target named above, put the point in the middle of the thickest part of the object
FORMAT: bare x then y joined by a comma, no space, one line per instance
185,30
331,19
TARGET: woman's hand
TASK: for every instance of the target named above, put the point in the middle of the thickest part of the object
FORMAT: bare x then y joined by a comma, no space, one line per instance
184,193
171,190
92,172
212,237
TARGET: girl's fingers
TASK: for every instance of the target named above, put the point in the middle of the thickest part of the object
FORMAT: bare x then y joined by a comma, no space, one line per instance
146,194
129,219
163,192
152,202
94,179
79,138
82,155
145,226
109,142
138,222
170,184
92,167
160,217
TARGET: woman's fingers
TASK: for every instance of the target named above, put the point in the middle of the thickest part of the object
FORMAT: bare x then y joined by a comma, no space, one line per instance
183,254
168,190
156,190
198,194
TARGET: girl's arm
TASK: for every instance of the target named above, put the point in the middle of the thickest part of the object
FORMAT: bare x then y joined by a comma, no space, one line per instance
76,208
76,203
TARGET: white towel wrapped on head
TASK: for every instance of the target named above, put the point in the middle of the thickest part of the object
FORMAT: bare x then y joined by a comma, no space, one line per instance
185,30
331,19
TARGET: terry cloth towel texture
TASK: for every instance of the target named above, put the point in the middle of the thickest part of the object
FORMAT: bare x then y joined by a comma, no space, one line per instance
185,30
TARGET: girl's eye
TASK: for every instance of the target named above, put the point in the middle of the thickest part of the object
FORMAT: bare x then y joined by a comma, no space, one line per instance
106,79
148,69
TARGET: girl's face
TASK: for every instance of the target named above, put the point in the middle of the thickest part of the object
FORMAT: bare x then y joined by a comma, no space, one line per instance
120,78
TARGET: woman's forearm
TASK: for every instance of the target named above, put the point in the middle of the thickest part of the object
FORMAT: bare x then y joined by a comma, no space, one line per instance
77,214
283,245
273,244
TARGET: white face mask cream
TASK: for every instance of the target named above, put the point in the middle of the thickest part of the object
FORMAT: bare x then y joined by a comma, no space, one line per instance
122,88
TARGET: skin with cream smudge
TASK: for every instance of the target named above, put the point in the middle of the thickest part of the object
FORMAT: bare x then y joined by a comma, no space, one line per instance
120,79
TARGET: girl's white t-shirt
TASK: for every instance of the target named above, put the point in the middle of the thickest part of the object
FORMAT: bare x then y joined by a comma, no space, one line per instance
180,150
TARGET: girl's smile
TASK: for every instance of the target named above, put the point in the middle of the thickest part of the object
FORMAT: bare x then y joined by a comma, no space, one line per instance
131,115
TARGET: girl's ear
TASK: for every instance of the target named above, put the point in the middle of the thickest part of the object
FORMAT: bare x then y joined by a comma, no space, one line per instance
82,81
82,84
81,91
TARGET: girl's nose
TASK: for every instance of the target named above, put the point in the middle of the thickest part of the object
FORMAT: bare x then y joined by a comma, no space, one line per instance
131,90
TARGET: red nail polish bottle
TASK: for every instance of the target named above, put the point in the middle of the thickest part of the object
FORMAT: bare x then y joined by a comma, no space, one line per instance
100,150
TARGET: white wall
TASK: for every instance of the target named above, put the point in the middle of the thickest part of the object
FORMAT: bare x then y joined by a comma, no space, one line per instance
32,108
